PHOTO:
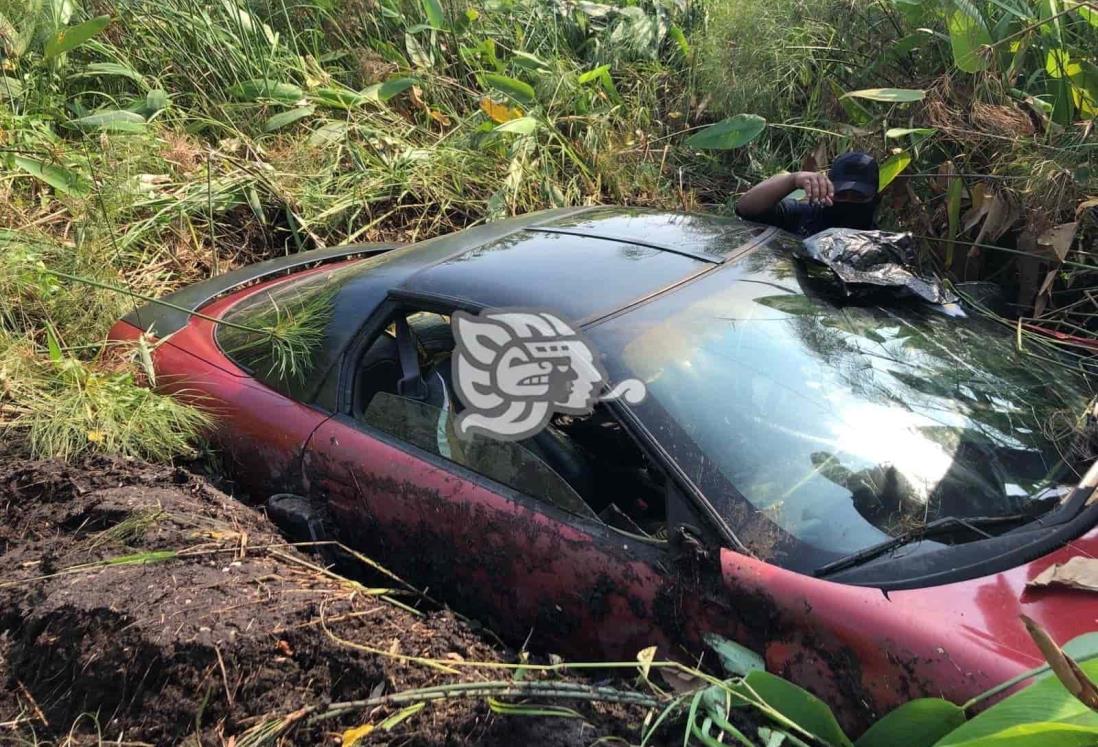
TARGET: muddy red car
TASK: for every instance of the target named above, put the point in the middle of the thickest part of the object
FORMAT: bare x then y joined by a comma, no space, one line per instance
860,492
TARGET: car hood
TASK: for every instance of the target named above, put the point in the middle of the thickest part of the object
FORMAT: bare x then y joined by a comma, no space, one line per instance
954,640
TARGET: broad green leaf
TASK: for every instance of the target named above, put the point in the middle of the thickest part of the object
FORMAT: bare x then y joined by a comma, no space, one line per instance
736,660
1082,647
520,126
1057,63
892,95
898,132
518,90
391,9
679,38
111,120
435,15
968,35
265,88
490,56
607,85
282,119
529,61
112,69
382,92
1034,734
1084,86
328,133
917,723
340,98
156,100
52,345
1089,13
393,86
1044,713
593,74
858,114
729,133
1063,100
892,167
71,37
58,177
798,705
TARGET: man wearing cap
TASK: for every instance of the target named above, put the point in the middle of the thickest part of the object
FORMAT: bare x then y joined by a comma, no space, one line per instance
845,197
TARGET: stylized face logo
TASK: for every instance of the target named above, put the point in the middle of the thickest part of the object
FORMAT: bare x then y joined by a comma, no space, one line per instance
514,369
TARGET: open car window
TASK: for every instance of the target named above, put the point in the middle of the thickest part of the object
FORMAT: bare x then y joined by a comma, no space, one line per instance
431,429
586,465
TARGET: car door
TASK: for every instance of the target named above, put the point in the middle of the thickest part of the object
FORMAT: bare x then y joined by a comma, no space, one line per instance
486,526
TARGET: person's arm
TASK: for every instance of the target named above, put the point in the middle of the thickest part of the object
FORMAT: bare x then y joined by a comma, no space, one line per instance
758,200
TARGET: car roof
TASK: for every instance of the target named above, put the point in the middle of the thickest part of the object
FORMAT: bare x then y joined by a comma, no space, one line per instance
581,264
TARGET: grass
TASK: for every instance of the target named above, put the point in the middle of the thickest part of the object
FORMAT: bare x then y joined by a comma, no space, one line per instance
183,138
64,407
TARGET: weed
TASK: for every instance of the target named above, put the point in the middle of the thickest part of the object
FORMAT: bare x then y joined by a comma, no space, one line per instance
65,407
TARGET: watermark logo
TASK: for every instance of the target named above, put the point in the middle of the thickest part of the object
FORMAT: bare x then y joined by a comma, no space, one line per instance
513,369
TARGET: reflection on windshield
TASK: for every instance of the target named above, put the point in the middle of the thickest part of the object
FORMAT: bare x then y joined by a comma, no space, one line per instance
839,425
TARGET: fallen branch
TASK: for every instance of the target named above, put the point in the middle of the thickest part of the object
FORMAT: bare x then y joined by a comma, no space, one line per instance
272,729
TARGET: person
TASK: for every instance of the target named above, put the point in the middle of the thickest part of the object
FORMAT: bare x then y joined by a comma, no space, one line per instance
845,197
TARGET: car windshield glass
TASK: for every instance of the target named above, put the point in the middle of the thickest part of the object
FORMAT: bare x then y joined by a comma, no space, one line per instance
818,428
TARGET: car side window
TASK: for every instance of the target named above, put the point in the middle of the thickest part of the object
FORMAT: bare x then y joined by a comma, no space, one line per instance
432,429
288,335
588,466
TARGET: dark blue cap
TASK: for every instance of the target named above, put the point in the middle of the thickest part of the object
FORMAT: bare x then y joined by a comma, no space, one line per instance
855,171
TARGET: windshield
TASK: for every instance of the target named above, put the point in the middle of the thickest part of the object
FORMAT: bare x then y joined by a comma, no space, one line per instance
818,428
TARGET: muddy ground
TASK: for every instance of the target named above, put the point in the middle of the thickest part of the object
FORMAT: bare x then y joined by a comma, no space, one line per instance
139,605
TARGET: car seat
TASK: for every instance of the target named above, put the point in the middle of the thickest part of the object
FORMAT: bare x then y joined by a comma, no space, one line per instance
550,445
378,371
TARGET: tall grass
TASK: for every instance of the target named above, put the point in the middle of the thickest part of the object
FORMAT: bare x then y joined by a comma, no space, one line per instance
186,137
65,408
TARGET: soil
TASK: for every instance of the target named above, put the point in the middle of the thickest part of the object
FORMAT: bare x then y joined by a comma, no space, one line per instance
140,605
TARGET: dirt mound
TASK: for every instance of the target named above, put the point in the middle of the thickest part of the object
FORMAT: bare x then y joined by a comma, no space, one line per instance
139,603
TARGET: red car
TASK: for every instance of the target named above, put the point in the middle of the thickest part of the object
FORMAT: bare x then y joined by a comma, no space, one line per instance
860,491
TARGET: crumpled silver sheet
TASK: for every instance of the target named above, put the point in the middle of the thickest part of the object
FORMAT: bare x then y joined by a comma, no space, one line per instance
874,258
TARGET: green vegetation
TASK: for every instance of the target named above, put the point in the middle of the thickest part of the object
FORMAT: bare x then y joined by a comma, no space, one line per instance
65,406
148,144
751,707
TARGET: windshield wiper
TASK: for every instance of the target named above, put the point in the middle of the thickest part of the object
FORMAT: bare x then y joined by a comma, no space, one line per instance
944,525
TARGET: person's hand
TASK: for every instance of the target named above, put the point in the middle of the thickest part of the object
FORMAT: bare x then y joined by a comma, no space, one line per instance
817,187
